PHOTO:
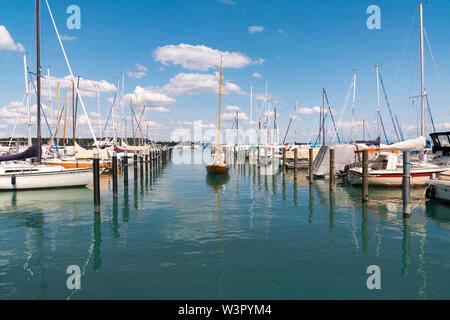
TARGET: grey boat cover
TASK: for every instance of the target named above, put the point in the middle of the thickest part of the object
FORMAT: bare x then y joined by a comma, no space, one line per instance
344,154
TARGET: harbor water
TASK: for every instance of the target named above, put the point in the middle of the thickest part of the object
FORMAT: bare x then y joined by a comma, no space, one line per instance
178,234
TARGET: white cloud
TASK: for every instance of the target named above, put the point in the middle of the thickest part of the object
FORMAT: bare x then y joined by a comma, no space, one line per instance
254,29
7,43
282,32
231,115
87,88
66,37
229,2
158,109
233,108
313,110
256,75
201,57
141,71
150,95
197,83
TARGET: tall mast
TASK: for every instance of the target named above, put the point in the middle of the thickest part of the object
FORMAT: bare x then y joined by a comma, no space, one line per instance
121,101
378,103
50,96
98,107
38,78
323,116
251,107
353,106
422,123
27,93
220,97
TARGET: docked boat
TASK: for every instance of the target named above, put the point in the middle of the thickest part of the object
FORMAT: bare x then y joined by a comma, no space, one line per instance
218,166
438,187
387,168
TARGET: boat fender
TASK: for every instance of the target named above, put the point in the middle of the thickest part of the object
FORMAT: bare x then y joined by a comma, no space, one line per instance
430,193
13,180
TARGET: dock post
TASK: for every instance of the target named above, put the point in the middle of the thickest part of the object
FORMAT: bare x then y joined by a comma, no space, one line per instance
114,174
258,157
146,160
284,160
406,184
135,160
311,155
141,159
332,171
96,167
365,176
295,163
125,170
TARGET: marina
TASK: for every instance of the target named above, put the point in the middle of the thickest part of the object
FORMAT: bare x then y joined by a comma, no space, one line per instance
201,188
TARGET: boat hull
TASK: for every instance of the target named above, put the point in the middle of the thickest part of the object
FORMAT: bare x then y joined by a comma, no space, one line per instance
217,169
391,178
78,164
45,180
439,190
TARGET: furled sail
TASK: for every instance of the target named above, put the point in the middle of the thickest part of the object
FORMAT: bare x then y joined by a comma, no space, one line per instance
31,152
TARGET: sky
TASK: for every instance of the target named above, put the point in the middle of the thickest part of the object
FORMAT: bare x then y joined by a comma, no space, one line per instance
169,53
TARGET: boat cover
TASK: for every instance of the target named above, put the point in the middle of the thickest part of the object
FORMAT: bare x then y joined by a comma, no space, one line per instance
31,152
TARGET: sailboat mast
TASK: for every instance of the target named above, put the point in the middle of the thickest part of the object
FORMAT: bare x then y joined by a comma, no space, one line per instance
27,93
98,107
378,103
251,111
353,105
323,116
422,124
220,97
38,78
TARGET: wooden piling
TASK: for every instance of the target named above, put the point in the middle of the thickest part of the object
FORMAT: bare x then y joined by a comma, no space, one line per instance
125,170
284,160
135,162
332,171
295,163
406,184
114,174
258,157
96,169
311,155
365,176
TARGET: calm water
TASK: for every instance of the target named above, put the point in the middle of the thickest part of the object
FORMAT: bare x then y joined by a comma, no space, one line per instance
177,234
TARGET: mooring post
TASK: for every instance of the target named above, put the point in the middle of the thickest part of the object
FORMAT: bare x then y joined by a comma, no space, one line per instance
96,168
114,173
258,157
146,160
295,163
125,170
332,171
141,159
135,160
406,183
365,176
311,155
284,160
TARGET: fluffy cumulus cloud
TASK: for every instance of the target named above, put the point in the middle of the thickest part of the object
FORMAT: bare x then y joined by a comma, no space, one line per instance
201,57
313,110
227,116
254,29
256,75
140,71
197,83
7,43
158,109
87,88
233,108
153,96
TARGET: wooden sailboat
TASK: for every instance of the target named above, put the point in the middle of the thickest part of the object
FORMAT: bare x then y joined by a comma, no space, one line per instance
218,166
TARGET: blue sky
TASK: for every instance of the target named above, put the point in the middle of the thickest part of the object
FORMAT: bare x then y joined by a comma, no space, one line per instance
299,47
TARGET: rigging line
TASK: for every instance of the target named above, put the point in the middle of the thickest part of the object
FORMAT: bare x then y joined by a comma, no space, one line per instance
436,69
388,105
429,112
321,127
15,123
109,115
332,118
411,25
384,131
344,107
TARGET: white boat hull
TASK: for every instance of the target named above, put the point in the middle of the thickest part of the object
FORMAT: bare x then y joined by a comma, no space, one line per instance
438,189
46,179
